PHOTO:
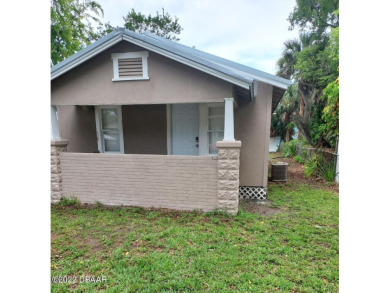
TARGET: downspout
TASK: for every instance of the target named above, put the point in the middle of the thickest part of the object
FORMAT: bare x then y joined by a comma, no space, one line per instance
253,90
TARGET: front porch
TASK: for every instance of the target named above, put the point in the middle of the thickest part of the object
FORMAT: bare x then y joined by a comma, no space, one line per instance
162,129
146,160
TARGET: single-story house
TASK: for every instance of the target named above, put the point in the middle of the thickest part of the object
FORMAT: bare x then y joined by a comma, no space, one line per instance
140,120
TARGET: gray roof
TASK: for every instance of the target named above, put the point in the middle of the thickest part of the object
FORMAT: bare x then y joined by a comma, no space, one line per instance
240,75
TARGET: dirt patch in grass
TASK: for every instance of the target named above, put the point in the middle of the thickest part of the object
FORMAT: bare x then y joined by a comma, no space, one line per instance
263,207
295,174
93,244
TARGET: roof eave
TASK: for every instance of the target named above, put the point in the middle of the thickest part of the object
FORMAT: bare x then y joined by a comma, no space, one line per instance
241,79
82,56
244,83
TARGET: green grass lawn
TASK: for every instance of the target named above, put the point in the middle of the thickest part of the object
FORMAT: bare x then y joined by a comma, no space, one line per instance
159,251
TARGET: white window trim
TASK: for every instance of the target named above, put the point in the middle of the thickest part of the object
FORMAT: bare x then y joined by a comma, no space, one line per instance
204,127
169,129
143,54
99,128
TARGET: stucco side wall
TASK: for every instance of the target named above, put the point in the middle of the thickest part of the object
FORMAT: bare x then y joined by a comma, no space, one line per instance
170,82
252,128
145,129
78,127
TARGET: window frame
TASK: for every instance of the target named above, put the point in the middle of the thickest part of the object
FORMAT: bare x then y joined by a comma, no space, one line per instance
99,130
141,54
213,105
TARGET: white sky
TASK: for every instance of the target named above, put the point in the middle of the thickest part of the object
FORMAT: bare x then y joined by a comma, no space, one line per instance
250,32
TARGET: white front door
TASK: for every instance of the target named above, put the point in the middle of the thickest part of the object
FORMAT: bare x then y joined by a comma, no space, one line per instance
185,129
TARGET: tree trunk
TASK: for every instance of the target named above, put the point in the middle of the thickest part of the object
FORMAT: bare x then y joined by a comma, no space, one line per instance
288,134
301,106
308,95
302,125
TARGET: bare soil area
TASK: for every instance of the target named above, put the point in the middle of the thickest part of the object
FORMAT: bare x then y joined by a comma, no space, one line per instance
295,174
261,207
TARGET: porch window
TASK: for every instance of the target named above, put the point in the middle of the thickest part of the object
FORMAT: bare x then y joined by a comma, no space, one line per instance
109,129
130,65
215,131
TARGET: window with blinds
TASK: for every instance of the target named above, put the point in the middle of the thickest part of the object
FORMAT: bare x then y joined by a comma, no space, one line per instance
130,66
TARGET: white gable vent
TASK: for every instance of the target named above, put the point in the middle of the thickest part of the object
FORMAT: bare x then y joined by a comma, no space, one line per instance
130,65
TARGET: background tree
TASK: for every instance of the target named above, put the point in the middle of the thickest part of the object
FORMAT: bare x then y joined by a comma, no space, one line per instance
77,23
330,112
315,15
281,123
312,63
162,25
72,28
287,65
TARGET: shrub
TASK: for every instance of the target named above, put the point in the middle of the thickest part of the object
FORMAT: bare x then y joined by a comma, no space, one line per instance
317,166
69,201
328,171
290,148
304,154
299,159
312,165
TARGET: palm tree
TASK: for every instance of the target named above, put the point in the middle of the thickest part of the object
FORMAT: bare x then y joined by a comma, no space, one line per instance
287,62
286,69
281,119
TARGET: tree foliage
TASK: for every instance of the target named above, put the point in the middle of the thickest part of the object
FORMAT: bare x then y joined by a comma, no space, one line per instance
162,25
281,124
312,63
72,28
315,15
77,23
331,112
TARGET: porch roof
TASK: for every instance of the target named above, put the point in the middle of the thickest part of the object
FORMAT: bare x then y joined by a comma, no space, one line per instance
240,75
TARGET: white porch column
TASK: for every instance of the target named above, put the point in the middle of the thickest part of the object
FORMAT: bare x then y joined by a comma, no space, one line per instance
229,120
55,133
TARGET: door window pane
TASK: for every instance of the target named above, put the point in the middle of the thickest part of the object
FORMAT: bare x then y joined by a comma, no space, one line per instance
216,111
214,136
109,119
111,142
216,123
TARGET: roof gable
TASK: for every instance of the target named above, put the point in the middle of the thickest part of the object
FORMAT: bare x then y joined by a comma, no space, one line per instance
238,74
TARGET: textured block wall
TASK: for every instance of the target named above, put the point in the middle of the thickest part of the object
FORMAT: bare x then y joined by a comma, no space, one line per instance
228,175
57,147
176,182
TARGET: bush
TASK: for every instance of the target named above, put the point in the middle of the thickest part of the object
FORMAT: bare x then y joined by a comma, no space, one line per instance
69,201
317,166
328,171
290,148
311,165
304,154
299,159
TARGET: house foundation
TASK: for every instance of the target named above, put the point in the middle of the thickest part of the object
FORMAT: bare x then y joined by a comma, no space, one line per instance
253,192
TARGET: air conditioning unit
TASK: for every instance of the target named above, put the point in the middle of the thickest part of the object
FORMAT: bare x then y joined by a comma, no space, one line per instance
279,171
